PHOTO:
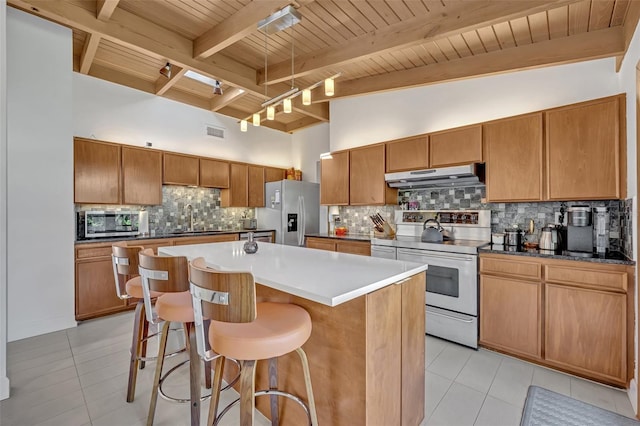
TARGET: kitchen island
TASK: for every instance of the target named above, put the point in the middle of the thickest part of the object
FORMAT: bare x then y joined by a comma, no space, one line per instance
366,350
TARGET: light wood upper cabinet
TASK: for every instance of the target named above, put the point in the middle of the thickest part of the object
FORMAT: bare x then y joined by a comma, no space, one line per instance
214,173
456,147
273,174
366,177
255,186
180,169
141,176
237,193
334,179
586,151
408,154
96,172
514,158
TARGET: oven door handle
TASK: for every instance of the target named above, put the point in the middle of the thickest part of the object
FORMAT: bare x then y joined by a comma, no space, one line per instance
438,256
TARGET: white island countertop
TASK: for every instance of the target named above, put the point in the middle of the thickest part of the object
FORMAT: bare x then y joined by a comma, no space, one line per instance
326,277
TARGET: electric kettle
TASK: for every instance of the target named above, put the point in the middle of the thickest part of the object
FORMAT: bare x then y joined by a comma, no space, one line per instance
549,238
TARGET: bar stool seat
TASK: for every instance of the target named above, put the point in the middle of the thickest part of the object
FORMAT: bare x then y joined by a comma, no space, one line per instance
175,307
279,328
134,289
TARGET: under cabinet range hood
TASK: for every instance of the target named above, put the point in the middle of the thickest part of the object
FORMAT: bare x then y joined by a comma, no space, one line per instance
444,177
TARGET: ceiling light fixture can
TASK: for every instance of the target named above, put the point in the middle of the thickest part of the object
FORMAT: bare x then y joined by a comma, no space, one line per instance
306,97
217,89
271,113
286,105
243,125
166,70
329,88
256,119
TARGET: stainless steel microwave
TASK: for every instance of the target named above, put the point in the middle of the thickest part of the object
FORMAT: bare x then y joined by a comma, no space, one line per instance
107,223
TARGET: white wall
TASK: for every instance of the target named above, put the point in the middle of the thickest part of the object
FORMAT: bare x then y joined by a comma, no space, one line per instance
4,381
40,176
308,144
369,119
108,111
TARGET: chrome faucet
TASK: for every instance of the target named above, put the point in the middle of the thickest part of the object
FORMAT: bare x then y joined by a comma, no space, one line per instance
189,208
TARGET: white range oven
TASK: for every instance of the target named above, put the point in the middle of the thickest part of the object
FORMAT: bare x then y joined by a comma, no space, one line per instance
452,278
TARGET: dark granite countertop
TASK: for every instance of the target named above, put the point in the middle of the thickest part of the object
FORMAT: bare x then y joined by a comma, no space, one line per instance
355,237
611,257
171,235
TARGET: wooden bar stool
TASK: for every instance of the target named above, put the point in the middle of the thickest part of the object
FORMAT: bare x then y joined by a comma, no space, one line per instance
129,286
247,331
169,275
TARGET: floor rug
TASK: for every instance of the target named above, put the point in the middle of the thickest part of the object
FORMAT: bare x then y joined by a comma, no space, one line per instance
546,408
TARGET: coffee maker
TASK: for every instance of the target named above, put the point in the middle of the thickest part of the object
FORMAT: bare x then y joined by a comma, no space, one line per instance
588,229
579,229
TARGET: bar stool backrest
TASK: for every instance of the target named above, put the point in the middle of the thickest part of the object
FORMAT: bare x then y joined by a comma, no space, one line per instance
125,264
224,296
165,274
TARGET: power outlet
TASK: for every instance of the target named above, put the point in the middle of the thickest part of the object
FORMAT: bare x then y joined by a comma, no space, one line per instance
556,218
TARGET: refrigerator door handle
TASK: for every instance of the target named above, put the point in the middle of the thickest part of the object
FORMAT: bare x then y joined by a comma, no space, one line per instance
303,213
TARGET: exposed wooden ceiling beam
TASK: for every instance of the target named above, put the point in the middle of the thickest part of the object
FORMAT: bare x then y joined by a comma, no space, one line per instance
301,124
585,46
163,83
319,111
187,98
229,95
143,36
118,77
235,28
630,24
105,8
89,52
469,15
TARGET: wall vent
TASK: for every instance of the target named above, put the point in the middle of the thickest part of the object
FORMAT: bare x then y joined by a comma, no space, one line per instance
216,132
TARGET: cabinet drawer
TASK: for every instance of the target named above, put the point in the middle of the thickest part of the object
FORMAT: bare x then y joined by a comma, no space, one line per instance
353,247
84,253
613,280
509,267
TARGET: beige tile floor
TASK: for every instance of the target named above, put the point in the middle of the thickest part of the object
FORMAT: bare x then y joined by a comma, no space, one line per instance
78,377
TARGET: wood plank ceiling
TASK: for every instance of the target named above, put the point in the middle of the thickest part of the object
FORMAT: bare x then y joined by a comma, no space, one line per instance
375,45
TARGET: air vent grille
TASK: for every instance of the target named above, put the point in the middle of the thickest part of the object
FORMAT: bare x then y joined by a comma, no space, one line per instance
215,132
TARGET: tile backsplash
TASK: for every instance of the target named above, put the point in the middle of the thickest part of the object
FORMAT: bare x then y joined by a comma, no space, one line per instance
173,214
503,215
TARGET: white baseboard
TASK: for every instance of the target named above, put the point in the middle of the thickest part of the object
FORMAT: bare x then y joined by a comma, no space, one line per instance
632,393
4,388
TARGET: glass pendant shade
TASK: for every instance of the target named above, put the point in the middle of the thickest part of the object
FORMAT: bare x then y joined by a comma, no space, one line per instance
286,105
329,87
243,125
306,97
271,113
256,119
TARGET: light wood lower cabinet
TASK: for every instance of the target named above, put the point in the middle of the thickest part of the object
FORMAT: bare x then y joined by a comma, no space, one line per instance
510,315
571,315
340,245
95,288
585,330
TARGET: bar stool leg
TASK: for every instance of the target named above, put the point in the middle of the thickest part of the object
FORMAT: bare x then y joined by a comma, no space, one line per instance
216,387
162,347
273,384
136,349
247,392
145,336
307,382
194,376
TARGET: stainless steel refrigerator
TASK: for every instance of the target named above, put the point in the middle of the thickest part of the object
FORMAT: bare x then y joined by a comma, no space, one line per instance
291,208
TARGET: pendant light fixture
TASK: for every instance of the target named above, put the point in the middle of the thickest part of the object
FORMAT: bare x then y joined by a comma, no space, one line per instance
329,88
306,97
243,125
271,112
256,119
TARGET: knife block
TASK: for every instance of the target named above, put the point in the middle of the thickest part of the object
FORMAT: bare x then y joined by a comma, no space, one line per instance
389,232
